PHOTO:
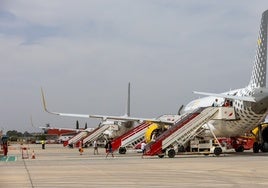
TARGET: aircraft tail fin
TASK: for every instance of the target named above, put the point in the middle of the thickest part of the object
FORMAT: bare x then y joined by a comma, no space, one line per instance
128,101
258,76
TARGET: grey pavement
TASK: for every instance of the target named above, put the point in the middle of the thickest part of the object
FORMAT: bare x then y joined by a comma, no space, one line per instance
57,166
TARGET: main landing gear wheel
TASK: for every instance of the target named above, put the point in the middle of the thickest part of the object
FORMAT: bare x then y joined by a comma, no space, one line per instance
122,150
256,147
171,153
264,147
217,151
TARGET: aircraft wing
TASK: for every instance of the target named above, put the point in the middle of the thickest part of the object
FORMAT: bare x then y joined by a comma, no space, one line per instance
61,128
57,128
103,117
128,118
68,129
249,99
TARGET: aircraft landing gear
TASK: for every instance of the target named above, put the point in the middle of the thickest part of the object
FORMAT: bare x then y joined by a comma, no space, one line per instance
264,147
256,147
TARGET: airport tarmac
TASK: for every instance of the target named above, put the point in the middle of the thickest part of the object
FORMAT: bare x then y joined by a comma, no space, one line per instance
57,166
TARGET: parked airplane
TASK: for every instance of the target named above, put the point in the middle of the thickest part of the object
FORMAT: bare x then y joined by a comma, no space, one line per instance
117,124
250,103
62,130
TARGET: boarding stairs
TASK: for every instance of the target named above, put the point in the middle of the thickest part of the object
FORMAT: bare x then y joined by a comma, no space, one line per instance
77,137
182,131
95,134
131,138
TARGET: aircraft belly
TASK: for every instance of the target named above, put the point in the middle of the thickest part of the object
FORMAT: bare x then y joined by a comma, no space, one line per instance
223,128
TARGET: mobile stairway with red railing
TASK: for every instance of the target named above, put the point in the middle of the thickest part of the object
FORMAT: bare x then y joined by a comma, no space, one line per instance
76,138
130,138
135,136
95,134
184,130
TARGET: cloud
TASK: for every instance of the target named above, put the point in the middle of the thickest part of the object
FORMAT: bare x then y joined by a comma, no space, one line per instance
85,52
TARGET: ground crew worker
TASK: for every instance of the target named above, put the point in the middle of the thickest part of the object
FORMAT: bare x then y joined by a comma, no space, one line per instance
43,142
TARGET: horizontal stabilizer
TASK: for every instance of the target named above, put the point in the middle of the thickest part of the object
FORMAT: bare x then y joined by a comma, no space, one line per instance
242,98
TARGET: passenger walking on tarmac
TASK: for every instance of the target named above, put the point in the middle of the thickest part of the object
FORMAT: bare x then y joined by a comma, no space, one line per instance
109,148
95,146
143,148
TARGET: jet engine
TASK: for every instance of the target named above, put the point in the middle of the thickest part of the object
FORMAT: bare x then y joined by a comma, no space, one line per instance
154,131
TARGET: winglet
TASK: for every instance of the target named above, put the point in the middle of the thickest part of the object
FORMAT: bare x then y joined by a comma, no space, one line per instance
44,103
60,114
43,100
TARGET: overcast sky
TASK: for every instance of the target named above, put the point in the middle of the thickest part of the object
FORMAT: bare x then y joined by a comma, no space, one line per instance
83,53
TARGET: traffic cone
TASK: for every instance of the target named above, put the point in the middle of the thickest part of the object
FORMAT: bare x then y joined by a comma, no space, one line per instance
33,155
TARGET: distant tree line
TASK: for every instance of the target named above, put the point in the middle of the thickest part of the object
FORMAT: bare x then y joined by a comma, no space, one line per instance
15,136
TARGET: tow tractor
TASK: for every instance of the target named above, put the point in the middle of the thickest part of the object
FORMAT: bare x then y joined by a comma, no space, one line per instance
241,143
208,146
